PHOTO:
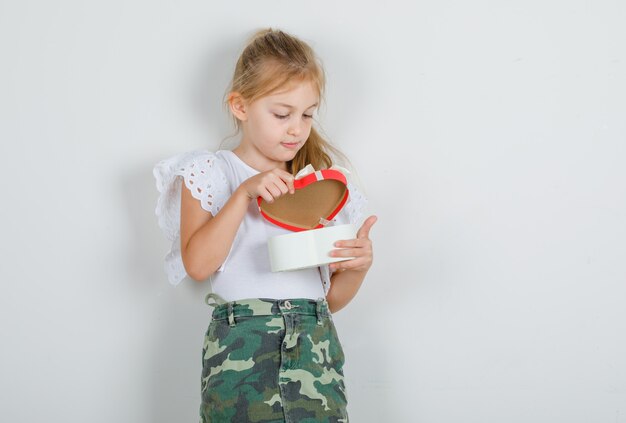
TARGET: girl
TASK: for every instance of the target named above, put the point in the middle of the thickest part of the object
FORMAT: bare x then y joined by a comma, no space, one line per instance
271,351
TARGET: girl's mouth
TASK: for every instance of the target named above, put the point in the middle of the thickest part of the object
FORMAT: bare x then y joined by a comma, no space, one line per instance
290,144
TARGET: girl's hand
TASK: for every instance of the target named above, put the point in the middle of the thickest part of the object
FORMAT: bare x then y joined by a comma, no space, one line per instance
359,248
270,185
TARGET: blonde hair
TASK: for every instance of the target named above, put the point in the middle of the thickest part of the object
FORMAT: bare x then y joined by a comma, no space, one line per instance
272,60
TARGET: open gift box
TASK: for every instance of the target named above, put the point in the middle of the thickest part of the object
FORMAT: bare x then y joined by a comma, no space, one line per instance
319,196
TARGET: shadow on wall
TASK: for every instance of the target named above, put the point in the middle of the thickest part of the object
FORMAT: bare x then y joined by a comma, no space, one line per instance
175,358
367,372
168,358
172,352
207,89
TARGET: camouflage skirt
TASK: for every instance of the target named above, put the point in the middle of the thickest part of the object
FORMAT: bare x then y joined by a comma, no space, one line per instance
270,360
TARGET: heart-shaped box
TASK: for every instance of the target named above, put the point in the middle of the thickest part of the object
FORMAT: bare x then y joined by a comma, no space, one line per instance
319,196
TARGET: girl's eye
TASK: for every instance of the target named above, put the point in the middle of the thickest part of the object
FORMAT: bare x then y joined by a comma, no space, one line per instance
286,116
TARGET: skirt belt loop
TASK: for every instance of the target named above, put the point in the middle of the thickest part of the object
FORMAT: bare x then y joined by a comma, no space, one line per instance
231,317
218,300
318,311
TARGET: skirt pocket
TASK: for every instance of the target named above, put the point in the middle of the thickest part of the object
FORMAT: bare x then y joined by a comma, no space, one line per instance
240,370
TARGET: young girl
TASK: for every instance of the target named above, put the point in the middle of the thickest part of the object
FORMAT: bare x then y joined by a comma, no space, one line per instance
271,351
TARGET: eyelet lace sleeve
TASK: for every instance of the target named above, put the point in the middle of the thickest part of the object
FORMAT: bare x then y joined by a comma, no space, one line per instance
204,176
354,209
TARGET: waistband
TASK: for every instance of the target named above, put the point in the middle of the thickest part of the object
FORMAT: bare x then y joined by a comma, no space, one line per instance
266,307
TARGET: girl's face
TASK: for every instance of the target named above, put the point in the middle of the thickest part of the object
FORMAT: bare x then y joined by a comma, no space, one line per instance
278,125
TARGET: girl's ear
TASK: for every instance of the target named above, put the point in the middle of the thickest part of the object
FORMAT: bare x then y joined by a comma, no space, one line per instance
237,106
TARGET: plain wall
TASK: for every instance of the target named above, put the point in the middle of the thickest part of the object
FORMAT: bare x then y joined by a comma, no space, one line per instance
490,138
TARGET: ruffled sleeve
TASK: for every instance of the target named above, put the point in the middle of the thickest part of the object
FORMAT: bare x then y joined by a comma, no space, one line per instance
354,209
204,175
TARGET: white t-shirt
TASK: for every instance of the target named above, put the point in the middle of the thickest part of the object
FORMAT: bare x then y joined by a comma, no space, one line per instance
245,273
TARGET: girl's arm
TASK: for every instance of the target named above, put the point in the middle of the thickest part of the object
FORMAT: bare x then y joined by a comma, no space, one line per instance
344,286
346,282
205,240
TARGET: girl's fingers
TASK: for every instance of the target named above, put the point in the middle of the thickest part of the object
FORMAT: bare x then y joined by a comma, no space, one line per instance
289,184
347,243
274,190
284,189
285,178
278,187
364,231
292,190
271,184
349,252
267,196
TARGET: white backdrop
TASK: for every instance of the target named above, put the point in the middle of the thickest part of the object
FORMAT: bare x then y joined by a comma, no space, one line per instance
490,138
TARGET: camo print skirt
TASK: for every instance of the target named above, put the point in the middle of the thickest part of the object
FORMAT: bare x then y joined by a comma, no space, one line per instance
270,360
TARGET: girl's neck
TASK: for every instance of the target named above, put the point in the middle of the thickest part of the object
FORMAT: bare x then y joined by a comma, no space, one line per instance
256,160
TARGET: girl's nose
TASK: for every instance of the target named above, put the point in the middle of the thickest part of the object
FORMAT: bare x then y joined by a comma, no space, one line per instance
294,129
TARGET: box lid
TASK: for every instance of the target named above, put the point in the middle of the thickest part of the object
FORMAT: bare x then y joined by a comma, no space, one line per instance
319,196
